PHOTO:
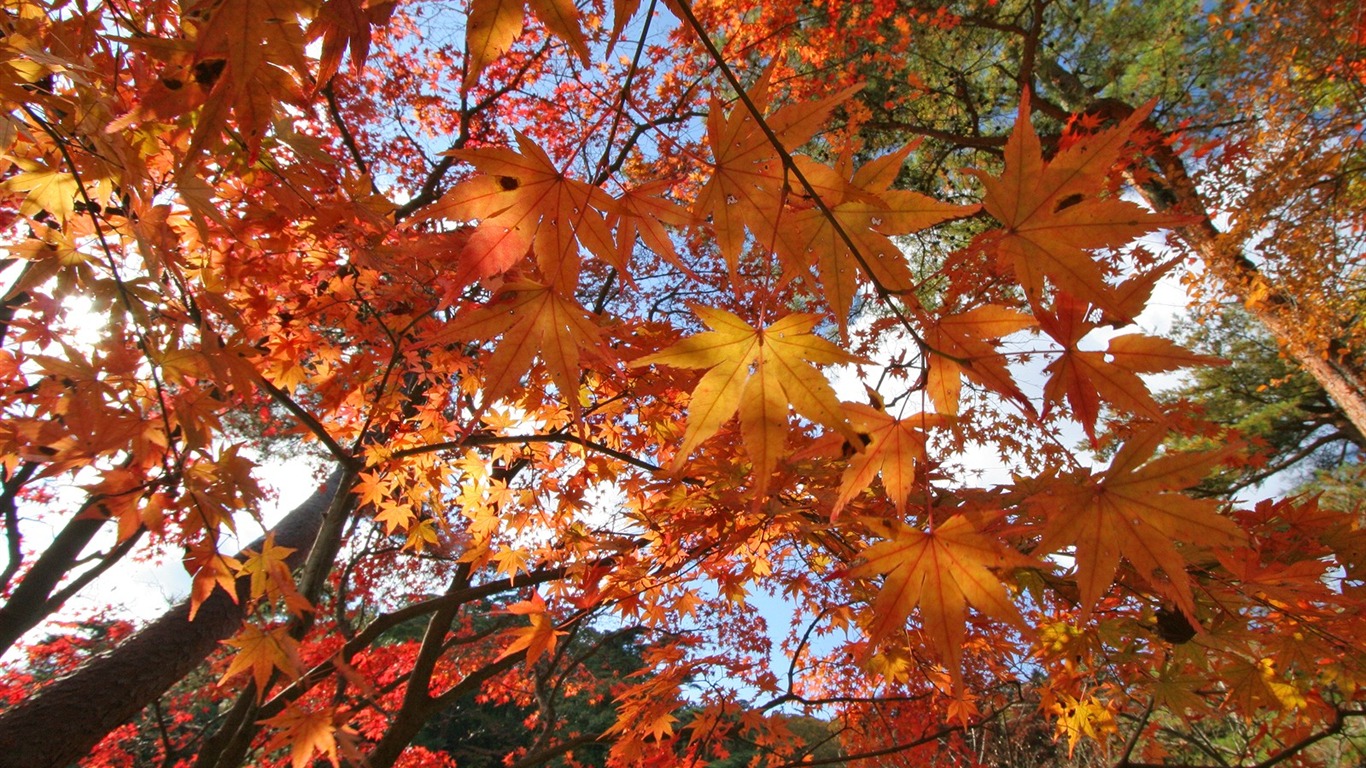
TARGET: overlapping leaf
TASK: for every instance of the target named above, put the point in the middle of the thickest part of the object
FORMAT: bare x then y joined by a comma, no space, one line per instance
749,183
759,372
1135,510
869,211
523,203
644,212
942,572
1055,212
894,448
343,23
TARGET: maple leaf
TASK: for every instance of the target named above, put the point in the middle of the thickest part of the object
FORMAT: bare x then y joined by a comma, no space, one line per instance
893,449
47,190
524,203
758,372
750,182
533,319
869,212
539,638
1134,510
1053,212
961,345
263,653
211,570
643,212
340,23
1085,377
395,515
270,575
421,536
494,25
371,488
1254,684
306,732
942,571
1085,717
242,56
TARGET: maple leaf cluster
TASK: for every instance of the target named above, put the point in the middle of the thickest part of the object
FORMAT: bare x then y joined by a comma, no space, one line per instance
611,337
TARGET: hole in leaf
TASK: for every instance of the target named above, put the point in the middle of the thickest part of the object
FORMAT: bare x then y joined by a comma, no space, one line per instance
1068,202
207,72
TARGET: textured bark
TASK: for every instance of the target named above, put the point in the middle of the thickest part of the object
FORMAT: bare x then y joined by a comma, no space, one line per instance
66,719
1222,254
28,604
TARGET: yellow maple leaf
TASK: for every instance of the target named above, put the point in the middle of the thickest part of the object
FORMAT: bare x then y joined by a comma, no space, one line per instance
271,577
941,571
1085,717
396,515
421,536
50,191
262,653
305,732
759,372
894,448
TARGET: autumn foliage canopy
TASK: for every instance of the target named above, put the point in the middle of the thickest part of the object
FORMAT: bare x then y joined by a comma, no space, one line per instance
685,328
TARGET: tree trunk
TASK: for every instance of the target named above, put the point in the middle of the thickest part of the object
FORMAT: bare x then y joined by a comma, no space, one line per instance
28,604
1222,254
67,718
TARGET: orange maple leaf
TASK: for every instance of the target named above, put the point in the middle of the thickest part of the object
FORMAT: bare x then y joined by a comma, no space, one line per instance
340,23
870,212
643,211
1053,212
942,571
524,203
539,638
211,570
961,345
533,319
1086,377
262,653
894,448
305,732
759,372
750,182
1134,509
